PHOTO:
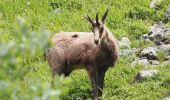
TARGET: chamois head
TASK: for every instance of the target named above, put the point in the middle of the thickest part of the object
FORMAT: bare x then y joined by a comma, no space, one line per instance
97,26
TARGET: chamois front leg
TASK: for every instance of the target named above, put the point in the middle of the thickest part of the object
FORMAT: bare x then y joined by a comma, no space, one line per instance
93,77
100,76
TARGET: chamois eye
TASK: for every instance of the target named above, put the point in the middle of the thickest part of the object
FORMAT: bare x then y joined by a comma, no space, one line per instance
101,30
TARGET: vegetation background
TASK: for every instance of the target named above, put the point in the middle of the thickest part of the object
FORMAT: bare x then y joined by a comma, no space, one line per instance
26,27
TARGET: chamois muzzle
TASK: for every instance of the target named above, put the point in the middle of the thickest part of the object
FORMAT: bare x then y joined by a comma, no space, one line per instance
96,41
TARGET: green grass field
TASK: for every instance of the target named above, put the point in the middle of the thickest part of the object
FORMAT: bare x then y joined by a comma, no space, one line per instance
26,27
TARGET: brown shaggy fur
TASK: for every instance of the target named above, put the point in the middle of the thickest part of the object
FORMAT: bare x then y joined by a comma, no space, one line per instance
74,50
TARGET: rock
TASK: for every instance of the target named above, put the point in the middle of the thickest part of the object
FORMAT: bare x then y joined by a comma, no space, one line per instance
166,36
165,47
159,34
168,13
156,33
166,98
149,53
140,62
155,3
124,43
154,62
127,52
167,58
126,40
145,74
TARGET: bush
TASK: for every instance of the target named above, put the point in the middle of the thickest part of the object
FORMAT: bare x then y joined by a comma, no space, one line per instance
138,12
137,28
17,58
71,5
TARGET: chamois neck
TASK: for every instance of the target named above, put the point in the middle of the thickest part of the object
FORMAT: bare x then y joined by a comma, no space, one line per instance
106,34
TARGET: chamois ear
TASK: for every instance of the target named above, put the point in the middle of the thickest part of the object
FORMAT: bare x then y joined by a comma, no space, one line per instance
89,19
104,16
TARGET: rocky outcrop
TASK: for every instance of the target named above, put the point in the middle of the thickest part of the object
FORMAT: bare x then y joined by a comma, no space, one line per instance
158,33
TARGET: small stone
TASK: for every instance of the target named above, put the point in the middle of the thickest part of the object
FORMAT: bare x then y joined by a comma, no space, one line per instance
28,3
144,74
165,47
126,40
140,62
124,43
57,11
155,3
127,52
154,62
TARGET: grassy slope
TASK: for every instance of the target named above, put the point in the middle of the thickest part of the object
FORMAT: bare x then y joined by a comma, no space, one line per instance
126,18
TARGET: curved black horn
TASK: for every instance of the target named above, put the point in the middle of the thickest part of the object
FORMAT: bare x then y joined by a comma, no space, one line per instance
97,18
89,19
104,16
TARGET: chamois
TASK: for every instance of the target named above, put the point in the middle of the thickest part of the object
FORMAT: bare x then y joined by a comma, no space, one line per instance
94,51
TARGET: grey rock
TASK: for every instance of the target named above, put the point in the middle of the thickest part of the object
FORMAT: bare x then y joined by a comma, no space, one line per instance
167,58
154,62
166,98
156,33
165,47
57,11
140,62
124,43
127,52
166,36
145,74
155,3
149,53
126,40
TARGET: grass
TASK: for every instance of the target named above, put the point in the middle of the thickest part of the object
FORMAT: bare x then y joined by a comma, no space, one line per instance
23,39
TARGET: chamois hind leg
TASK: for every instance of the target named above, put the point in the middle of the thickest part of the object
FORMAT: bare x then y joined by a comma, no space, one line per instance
93,77
100,76
63,68
56,70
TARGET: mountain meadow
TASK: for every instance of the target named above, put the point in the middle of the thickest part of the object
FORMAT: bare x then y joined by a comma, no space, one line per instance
26,31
